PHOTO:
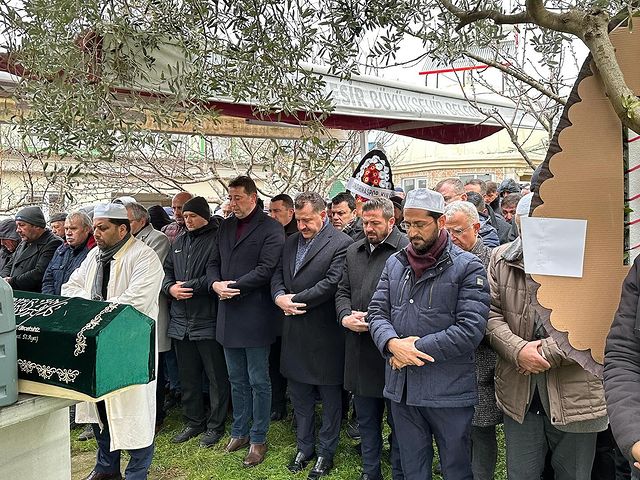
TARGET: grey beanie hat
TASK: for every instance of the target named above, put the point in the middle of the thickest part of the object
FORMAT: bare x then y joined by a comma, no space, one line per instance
32,215
58,217
8,230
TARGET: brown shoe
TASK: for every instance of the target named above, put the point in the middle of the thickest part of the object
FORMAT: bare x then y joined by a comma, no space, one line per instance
256,454
236,444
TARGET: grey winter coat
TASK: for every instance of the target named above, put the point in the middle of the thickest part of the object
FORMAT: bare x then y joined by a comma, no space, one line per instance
363,364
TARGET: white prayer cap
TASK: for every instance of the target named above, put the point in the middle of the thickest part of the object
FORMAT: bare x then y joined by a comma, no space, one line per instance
425,199
524,205
126,200
110,210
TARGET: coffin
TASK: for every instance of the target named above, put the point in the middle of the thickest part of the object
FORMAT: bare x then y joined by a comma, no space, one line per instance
81,349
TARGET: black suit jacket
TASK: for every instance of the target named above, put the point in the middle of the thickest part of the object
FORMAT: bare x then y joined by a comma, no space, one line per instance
247,320
29,262
313,343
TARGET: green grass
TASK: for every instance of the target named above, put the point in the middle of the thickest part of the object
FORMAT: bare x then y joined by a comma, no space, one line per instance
189,461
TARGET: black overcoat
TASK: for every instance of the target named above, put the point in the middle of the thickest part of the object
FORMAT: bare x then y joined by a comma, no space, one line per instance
363,364
29,262
313,343
247,320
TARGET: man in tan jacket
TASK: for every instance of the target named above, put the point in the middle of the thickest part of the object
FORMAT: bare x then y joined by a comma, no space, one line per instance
549,401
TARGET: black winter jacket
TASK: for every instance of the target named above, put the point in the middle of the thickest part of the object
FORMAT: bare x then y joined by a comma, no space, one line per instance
194,318
622,365
29,262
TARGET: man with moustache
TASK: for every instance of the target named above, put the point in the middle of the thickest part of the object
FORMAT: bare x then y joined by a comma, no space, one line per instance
69,255
304,287
126,271
427,317
364,367
35,251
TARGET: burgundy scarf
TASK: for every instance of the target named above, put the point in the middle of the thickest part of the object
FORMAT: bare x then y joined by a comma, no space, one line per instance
421,263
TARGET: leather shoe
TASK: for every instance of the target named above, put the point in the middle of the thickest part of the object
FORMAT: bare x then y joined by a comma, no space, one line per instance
210,438
256,454
366,476
187,433
299,462
103,476
236,443
353,431
322,467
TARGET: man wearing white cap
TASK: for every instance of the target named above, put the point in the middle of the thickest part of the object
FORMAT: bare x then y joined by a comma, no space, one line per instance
121,270
550,402
427,317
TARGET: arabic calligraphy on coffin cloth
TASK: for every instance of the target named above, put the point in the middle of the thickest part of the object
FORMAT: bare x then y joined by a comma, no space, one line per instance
81,349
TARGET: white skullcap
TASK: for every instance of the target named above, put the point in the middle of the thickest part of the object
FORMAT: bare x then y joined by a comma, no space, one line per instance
524,205
125,200
110,210
425,199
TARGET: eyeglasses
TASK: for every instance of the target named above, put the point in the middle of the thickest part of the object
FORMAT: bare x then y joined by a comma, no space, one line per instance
457,232
417,225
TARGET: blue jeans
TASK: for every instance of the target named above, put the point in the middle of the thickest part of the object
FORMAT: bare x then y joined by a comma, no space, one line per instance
250,391
109,462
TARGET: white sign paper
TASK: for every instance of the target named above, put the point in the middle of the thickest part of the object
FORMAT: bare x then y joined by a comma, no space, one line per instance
553,246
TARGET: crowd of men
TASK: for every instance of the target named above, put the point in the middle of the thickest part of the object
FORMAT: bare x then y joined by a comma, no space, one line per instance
416,306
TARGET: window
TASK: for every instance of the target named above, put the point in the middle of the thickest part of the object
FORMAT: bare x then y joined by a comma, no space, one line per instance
465,177
409,184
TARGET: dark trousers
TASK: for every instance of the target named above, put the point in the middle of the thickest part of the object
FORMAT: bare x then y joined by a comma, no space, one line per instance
369,411
109,462
527,445
416,427
171,367
160,389
484,450
303,398
278,381
609,463
194,356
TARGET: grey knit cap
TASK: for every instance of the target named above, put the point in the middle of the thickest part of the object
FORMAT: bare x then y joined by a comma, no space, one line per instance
32,215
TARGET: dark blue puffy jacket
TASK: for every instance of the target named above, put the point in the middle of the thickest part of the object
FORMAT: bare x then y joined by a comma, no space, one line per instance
448,309
489,234
65,261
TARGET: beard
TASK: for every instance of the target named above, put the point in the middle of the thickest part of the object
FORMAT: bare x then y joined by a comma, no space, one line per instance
421,243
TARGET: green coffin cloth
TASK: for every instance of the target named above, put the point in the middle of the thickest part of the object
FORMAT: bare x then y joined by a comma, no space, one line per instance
82,346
